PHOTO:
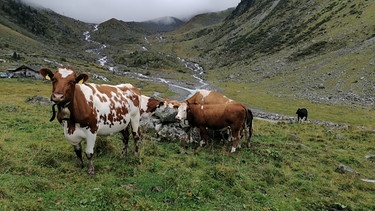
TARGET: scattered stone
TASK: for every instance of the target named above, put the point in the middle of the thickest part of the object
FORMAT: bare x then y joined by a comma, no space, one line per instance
40,100
166,115
340,137
369,156
343,168
99,77
156,189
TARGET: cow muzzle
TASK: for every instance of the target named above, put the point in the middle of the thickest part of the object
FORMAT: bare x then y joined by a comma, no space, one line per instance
178,118
57,98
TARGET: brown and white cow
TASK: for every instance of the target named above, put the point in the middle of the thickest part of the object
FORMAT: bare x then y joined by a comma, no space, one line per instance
203,96
169,103
215,117
148,106
87,110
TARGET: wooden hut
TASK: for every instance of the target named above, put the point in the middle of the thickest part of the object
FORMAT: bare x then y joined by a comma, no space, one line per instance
25,71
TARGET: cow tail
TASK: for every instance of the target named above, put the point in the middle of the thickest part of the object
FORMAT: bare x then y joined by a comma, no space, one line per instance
249,123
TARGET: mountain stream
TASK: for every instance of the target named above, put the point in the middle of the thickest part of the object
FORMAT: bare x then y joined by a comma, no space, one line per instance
182,89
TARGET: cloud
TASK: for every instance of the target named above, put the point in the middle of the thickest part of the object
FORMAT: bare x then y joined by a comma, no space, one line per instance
97,11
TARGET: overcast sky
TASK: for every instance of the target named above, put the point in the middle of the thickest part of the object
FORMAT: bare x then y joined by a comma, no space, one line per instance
97,11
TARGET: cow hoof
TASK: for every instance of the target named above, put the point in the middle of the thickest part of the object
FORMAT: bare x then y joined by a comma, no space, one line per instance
91,171
80,164
202,143
233,150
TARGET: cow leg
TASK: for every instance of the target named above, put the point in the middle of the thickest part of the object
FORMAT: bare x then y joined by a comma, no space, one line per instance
234,145
299,119
235,137
125,139
229,131
137,142
136,131
78,151
90,157
91,138
204,134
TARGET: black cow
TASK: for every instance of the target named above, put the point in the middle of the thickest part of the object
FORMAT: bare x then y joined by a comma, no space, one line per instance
302,114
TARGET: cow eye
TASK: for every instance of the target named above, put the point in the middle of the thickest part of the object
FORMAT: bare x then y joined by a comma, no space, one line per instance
72,82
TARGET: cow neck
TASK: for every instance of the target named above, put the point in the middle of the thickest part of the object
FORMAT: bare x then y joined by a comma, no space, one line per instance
65,111
65,105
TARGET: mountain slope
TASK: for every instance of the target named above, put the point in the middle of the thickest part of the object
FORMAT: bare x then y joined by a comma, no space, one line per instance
269,26
41,23
203,20
41,37
317,50
163,24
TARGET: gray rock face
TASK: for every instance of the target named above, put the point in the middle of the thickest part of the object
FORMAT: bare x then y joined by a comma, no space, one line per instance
40,100
167,128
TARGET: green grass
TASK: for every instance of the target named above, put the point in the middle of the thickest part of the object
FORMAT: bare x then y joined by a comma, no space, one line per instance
288,167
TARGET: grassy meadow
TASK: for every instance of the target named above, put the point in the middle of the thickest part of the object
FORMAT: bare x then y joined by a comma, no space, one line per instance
288,167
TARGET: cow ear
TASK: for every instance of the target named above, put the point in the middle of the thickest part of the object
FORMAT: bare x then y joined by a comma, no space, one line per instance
46,73
82,78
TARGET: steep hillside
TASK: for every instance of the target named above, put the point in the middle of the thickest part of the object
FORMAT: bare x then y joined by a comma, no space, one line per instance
40,37
313,26
322,51
202,21
119,33
41,23
163,24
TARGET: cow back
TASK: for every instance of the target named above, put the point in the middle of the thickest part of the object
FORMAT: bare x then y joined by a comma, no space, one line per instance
208,97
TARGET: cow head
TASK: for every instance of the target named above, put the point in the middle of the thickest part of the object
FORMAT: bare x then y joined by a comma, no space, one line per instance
182,111
169,103
63,82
